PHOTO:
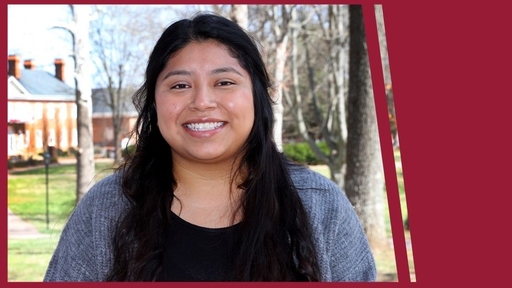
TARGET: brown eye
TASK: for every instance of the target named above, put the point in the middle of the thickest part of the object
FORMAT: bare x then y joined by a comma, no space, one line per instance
180,86
225,83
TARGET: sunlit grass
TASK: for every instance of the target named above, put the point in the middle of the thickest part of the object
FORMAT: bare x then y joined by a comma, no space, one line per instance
28,258
27,194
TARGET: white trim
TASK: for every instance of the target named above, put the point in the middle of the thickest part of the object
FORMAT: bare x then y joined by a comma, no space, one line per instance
14,82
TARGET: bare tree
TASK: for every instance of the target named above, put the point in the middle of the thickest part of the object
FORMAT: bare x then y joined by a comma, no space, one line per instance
324,76
364,180
85,158
280,18
122,36
78,28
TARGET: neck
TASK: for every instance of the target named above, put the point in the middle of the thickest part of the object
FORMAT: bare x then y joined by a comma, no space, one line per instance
206,195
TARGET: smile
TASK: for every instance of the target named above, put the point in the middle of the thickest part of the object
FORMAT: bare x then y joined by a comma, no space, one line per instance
204,126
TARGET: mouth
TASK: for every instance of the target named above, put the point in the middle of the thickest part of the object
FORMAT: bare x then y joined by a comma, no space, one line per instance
207,126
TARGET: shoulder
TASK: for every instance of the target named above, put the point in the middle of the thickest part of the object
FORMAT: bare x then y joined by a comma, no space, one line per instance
99,210
83,251
303,177
105,190
324,201
317,191
342,247
101,205
104,196
343,250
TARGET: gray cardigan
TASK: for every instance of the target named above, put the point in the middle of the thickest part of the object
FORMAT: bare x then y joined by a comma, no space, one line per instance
84,251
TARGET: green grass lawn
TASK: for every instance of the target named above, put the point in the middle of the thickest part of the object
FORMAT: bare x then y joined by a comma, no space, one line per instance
28,258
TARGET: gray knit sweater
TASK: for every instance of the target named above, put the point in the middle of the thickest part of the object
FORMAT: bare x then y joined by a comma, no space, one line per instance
84,250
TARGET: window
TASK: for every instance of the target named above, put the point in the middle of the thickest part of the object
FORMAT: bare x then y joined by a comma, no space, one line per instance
39,138
10,143
20,145
27,143
51,137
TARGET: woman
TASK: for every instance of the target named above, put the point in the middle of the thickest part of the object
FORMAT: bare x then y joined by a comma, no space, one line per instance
207,196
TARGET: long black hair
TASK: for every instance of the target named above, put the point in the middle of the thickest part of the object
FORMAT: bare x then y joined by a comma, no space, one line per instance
274,241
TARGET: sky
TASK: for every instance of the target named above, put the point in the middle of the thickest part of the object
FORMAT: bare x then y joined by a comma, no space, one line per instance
29,35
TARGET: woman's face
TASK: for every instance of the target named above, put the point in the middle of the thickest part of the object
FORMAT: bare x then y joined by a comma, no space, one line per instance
204,103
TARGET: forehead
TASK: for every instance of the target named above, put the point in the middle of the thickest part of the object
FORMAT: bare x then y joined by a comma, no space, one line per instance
209,50
203,57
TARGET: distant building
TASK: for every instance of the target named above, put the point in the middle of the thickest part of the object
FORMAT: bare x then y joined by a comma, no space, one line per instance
102,121
42,113
41,110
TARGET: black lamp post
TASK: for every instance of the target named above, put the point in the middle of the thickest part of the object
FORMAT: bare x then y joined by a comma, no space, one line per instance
47,157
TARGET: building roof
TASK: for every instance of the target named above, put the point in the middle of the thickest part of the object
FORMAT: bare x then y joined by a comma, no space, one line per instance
39,82
40,86
101,109
30,84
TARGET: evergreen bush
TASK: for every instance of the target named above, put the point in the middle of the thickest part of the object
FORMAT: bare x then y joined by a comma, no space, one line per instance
303,154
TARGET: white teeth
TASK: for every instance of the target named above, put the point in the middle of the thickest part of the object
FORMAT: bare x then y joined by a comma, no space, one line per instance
204,126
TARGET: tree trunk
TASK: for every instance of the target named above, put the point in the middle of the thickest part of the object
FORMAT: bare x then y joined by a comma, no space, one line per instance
364,180
85,154
240,15
277,107
386,72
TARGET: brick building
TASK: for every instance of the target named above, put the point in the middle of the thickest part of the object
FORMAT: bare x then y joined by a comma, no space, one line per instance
102,120
42,113
41,110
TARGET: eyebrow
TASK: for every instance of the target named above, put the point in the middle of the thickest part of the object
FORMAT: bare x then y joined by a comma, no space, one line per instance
215,71
177,72
226,70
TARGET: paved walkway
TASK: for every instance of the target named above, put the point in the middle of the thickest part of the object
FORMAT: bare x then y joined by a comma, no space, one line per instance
19,229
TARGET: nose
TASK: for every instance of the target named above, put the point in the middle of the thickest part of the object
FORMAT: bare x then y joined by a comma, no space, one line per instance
202,99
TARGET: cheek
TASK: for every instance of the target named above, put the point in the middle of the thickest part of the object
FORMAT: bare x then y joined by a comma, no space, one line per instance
167,113
168,107
241,109
240,105
246,112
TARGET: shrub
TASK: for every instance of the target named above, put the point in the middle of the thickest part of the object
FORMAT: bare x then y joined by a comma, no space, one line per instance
30,162
128,151
302,153
62,153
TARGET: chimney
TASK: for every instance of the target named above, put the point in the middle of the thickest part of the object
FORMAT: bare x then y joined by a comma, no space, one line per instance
28,64
14,69
59,69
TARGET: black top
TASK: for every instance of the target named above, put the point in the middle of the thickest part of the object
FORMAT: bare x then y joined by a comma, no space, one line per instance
194,253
